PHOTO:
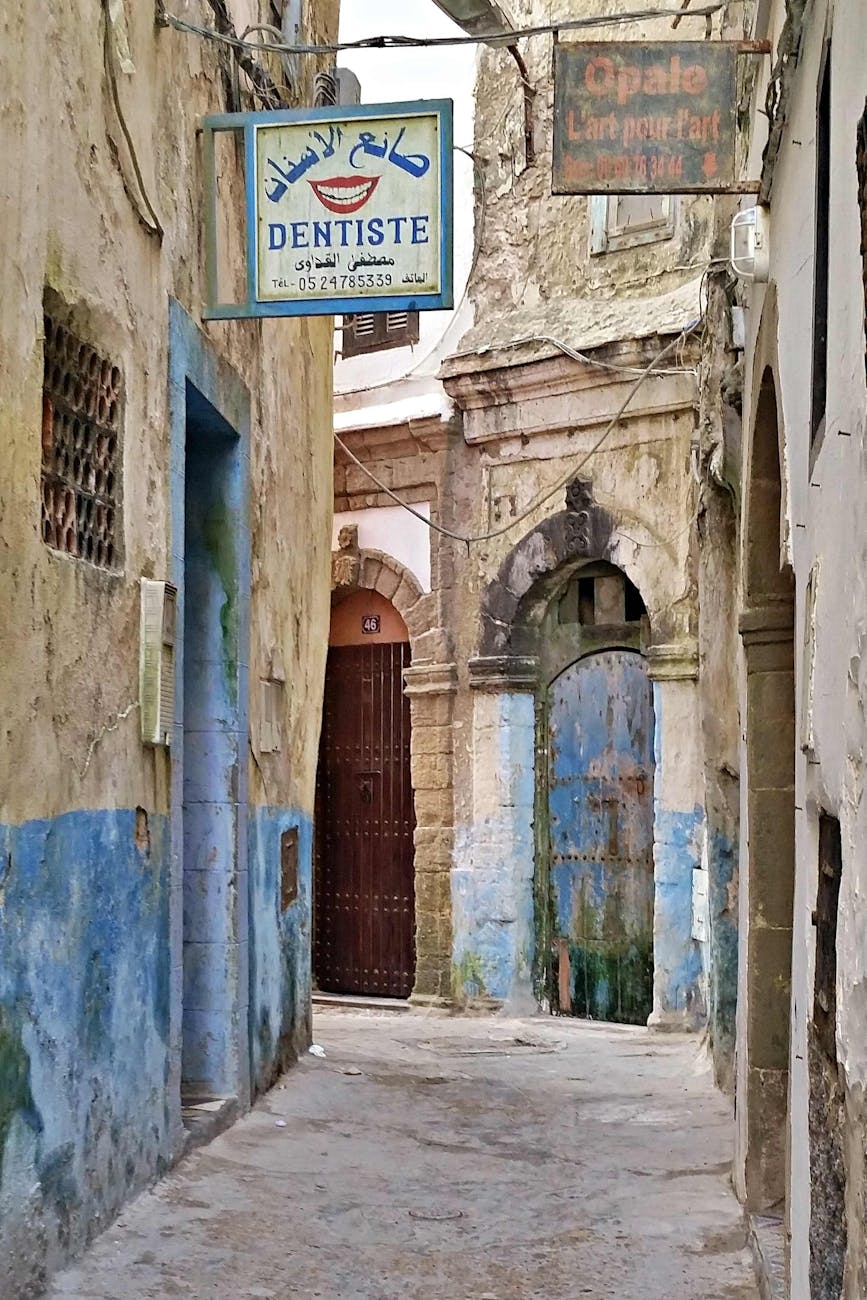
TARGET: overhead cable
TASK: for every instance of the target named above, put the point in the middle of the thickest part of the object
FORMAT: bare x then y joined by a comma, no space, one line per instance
555,487
151,221
501,38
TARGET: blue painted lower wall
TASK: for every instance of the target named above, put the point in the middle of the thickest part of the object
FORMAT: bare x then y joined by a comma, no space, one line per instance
85,1118
492,876
89,1074
280,945
722,890
676,955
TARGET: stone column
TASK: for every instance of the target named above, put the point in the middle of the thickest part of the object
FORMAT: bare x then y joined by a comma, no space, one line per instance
678,827
492,889
431,689
766,904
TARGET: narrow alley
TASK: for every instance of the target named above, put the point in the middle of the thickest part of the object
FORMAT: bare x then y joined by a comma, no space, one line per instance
451,1158
433,650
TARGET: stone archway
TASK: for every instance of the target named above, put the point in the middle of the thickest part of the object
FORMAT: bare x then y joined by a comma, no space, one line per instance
430,684
353,569
509,692
768,831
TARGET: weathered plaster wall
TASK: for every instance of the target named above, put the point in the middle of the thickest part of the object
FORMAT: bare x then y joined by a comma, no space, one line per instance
492,881
525,426
84,1028
679,824
720,474
824,521
90,955
536,249
526,414
535,280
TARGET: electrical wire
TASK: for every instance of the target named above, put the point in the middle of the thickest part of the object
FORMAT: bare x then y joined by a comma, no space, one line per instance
555,487
503,38
153,225
576,356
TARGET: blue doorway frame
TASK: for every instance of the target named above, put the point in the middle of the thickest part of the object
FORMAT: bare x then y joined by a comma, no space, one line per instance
210,473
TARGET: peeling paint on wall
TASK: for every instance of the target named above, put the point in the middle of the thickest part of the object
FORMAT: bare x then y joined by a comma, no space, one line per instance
600,810
279,945
84,1029
492,898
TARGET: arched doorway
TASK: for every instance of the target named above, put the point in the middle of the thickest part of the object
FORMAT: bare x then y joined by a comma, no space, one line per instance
364,905
599,724
767,629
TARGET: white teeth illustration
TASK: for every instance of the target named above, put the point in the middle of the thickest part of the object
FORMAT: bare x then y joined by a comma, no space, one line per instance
342,195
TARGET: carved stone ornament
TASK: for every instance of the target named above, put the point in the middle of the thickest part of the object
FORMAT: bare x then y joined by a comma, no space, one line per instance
346,560
579,502
579,494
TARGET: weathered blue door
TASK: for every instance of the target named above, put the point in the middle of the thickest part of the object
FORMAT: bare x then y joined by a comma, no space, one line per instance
600,815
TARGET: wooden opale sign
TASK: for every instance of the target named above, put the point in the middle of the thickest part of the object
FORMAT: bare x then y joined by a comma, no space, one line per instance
642,118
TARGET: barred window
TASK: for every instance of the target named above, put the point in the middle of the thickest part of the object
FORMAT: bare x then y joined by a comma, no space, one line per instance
81,398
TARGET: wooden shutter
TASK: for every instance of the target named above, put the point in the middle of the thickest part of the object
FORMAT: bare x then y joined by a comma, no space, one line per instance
377,331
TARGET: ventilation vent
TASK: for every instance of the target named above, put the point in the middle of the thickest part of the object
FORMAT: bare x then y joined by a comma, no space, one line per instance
348,87
81,398
157,661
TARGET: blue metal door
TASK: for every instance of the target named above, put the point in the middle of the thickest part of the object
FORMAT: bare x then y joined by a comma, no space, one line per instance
600,817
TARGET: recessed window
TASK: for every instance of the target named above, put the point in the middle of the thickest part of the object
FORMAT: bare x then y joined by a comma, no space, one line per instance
604,599
288,868
81,403
861,164
285,14
626,220
378,331
822,243
827,907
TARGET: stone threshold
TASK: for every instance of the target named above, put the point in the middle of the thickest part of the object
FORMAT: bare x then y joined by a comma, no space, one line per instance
357,1002
205,1118
768,1240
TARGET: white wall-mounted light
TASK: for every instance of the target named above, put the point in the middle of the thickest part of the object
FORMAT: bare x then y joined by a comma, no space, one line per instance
750,252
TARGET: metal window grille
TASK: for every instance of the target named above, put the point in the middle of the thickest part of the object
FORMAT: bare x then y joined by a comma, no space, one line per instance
81,399
377,331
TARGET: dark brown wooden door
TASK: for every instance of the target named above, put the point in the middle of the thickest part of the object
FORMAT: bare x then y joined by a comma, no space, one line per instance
364,907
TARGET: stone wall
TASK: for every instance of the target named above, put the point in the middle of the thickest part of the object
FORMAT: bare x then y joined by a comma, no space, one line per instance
91,955
561,336
817,1123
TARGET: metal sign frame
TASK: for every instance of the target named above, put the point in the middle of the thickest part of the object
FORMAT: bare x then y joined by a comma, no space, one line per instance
253,307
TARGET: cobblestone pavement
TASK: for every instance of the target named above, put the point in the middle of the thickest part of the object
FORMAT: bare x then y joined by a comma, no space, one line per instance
451,1159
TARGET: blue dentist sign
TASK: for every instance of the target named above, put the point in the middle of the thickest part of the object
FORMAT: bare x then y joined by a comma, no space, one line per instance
348,209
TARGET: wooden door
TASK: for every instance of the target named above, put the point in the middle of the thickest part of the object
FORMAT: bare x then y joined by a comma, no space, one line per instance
364,907
600,820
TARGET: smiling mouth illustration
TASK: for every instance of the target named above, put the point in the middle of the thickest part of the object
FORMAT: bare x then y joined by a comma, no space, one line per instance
344,193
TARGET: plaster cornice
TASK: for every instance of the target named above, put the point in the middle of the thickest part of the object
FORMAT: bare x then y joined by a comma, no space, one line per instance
411,437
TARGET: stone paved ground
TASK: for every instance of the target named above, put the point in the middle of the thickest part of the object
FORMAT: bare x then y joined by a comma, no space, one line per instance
451,1159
